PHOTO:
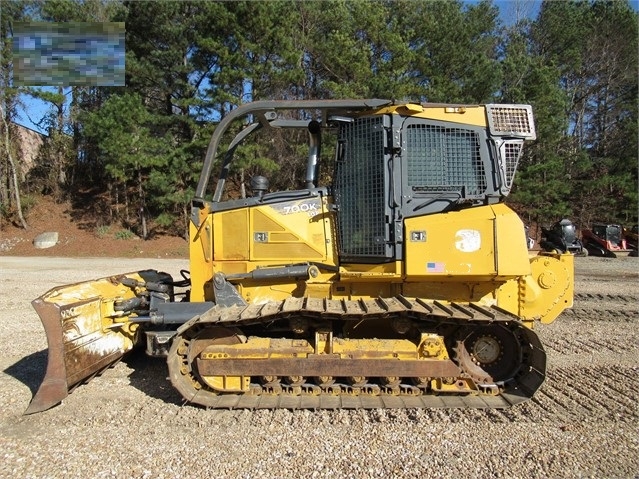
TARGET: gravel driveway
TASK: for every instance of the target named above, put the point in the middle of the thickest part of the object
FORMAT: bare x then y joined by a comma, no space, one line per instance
130,423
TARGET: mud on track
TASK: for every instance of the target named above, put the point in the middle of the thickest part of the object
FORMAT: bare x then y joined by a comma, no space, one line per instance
129,422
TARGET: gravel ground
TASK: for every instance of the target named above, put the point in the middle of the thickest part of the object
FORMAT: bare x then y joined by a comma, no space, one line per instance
130,423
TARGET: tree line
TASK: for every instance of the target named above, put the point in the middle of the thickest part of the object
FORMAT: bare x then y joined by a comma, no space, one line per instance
135,151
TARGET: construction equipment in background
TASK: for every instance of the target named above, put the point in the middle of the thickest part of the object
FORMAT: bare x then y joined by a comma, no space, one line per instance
604,240
561,237
631,235
406,282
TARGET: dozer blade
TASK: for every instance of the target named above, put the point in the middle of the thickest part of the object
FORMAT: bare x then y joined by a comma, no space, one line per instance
85,334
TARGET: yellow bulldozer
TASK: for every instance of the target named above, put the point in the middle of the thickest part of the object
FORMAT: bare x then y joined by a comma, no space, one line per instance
404,283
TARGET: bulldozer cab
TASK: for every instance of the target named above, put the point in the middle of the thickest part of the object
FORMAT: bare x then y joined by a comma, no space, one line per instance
393,162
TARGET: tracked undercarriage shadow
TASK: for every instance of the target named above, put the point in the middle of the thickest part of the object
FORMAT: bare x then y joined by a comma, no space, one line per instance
150,375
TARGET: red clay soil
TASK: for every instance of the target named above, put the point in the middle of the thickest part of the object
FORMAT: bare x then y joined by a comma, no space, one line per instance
78,238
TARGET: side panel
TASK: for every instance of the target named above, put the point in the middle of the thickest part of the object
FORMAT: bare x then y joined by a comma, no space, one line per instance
237,241
485,242
511,243
200,257
231,238
290,231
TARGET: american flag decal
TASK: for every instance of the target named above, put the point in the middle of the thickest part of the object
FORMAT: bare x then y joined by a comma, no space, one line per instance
435,267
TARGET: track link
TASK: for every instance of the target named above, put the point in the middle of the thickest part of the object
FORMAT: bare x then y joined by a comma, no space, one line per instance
519,376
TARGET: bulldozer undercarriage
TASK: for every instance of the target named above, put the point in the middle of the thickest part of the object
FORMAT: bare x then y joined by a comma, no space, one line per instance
391,352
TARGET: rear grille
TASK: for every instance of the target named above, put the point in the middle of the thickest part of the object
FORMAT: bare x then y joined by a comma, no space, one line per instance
439,158
359,189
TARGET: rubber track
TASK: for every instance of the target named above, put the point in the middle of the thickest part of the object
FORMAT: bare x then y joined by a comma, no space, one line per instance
527,380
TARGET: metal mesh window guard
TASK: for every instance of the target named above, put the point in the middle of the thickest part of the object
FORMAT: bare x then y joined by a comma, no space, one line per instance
359,189
440,158
510,155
